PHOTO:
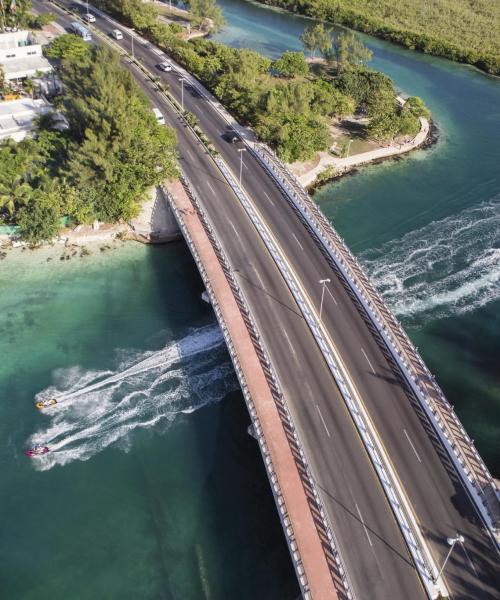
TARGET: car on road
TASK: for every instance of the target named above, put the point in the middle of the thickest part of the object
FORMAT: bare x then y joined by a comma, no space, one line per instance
117,34
165,66
231,136
75,8
89,17
159,115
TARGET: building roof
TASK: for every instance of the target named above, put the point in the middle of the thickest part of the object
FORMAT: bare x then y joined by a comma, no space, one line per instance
16,116
17,68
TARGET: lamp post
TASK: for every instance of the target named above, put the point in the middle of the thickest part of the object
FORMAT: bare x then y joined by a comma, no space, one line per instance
323,283
241,150
451,542
181,79
348,147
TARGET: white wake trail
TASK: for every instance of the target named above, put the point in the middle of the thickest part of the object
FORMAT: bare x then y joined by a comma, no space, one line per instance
448,267
103,408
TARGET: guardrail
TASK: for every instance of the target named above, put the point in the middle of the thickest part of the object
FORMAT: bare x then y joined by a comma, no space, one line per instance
398,503
326,533
469,464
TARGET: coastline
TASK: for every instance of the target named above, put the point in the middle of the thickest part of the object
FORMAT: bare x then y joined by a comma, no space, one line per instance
329,168
155,224
404,38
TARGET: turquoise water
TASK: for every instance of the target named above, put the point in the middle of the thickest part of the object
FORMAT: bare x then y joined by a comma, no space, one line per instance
153,488
427,227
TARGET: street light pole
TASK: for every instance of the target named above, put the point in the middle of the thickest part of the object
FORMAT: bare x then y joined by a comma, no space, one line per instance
323,283
241,150
451,542
349,147
181,79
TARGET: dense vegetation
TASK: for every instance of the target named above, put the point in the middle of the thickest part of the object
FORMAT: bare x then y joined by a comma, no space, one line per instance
101,165
461,30
17,14
288,104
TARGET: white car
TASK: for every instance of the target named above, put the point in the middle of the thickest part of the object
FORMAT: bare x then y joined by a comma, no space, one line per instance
117,34
159,116
165,66
89,17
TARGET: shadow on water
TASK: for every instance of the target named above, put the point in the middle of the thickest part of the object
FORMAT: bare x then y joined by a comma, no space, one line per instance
236,545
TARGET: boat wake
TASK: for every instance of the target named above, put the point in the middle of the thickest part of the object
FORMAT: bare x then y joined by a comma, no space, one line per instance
446,268
98,408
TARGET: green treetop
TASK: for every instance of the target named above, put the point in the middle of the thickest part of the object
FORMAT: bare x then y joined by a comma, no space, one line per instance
291,64
68,46
349,51
316,37
202,10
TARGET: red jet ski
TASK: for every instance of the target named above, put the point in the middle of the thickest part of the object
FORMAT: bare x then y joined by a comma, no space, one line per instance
37,451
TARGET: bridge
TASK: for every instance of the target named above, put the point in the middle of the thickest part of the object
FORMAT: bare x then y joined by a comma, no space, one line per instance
371,470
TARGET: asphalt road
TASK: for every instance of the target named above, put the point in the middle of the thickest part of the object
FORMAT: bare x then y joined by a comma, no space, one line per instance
370,541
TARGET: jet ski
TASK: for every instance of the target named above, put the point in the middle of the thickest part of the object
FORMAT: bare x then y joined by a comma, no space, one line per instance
46,403
36,451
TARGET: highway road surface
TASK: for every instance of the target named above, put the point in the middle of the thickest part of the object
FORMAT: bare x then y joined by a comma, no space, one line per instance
369,538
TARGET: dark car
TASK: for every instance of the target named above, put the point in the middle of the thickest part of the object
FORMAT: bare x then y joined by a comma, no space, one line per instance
75,8
231,136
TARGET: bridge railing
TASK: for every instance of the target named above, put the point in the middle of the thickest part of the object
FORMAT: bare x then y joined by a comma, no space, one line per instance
422,383
380,461
325,531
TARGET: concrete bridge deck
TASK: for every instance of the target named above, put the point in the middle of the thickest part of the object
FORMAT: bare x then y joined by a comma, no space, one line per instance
309,545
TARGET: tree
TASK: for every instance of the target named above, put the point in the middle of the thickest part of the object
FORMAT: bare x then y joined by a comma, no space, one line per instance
202,10
121,149
68,46
16,169
416,107
3,83
291,64
301,136
39,21
350,51
238,82
316,37
364,85
39,220
328,100
16,13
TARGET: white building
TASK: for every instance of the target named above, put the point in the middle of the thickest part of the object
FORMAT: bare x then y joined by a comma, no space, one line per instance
16,117
21,55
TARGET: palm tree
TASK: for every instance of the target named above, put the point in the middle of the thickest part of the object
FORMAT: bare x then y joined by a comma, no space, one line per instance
14,187
14,194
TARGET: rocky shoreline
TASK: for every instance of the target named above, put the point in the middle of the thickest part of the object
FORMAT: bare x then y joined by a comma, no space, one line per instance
430,140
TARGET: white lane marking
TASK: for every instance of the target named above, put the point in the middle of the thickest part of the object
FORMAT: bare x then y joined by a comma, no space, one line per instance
188,152
236,233
292,349
297,240
323,421
257,275
368,361
333,297
269,198
211,188
411,444
364,526
469,559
